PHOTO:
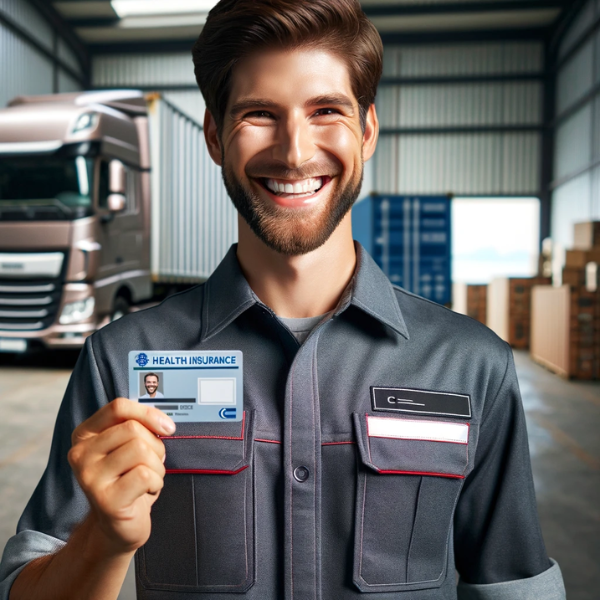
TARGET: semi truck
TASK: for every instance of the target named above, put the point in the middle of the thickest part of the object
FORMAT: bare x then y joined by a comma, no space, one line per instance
108,200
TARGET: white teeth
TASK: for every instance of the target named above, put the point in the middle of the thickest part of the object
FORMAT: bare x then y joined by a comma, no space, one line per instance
298,187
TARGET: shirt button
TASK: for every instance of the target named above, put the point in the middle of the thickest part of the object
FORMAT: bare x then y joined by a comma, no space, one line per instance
301,474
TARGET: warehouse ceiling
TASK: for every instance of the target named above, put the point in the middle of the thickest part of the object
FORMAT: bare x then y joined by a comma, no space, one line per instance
106,24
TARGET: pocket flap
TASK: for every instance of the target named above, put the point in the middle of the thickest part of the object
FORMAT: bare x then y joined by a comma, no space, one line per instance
391,445
210,448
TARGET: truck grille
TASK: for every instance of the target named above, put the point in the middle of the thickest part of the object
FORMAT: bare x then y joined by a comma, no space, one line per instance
28,305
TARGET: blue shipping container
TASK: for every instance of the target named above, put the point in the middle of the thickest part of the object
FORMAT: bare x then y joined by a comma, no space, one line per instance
410,239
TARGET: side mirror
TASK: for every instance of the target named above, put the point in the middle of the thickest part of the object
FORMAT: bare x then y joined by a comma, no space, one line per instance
116,177
116,203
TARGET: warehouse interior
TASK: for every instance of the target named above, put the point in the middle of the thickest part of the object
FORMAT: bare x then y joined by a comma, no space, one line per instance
492,103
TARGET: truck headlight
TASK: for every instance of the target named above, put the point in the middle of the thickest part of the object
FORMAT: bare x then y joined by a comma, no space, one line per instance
85,121
77,311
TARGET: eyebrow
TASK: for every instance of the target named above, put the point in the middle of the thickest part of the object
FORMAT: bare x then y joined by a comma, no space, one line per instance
246,104
258,103
331,99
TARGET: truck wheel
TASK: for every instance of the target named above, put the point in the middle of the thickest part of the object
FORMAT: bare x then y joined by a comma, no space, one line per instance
120,308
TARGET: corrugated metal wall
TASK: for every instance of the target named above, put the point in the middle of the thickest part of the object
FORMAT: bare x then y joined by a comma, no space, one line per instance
168,73
24,69
452,120
196,222
576,186
23,14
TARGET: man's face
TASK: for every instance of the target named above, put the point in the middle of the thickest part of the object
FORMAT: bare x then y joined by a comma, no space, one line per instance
291,146
151,384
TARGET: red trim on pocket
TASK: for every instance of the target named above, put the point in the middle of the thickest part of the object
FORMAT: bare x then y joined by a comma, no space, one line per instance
207,437
336,443
267,441
420,473
204,471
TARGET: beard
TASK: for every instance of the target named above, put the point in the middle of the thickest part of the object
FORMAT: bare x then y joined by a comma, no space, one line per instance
291,232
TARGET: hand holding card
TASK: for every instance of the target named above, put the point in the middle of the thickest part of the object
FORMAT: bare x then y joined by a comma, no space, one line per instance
118,460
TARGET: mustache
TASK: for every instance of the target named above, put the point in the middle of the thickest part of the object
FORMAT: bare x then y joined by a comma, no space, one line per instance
276,170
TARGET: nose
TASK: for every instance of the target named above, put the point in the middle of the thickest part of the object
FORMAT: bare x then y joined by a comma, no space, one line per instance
294,145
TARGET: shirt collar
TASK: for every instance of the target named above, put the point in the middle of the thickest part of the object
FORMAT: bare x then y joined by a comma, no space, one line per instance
228,295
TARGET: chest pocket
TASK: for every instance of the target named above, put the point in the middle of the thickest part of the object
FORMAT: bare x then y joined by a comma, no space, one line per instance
410,475
202,538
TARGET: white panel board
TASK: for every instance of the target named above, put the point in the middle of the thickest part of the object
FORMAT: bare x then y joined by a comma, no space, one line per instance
575,78
573,143
577,28
571,203
595,193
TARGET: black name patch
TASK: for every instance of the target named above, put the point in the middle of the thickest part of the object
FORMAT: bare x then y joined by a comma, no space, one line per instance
423,402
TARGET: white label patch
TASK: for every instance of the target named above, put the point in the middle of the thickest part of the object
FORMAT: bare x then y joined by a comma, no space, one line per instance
409,429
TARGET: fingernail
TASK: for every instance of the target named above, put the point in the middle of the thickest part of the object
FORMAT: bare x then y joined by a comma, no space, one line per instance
164,457
167,425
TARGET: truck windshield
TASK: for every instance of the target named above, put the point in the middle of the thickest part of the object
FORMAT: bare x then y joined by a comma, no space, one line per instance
45,187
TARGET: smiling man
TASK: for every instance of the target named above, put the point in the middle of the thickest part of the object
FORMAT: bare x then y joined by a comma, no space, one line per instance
151,385
383,443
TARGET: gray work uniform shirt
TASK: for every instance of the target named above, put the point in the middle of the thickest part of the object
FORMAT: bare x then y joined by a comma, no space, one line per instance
316,494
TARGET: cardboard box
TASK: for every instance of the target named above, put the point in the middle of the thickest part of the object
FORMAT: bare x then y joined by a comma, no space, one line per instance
477,302
586,235
577,259
509,308
565,331
574,277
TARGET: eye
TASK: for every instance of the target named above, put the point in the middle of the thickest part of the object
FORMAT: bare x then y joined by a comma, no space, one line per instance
326,112
258,114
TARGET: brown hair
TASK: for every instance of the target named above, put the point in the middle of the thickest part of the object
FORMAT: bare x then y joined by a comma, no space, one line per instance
151,375
236,28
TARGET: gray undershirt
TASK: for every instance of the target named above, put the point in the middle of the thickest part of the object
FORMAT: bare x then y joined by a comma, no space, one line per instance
301,327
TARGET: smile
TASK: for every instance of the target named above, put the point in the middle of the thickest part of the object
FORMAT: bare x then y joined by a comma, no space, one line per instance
301,188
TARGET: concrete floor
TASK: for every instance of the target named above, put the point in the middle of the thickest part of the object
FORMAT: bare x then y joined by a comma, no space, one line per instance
31,389
563,419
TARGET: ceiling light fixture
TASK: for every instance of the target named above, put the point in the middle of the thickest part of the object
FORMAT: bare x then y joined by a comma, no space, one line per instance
138,8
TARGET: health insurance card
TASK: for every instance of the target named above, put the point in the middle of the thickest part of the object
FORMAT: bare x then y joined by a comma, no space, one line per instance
189,386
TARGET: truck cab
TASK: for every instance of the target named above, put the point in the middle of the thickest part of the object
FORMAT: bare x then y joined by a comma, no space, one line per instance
74,215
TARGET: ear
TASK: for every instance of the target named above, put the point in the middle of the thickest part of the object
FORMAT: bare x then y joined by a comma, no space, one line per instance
371,134
211,135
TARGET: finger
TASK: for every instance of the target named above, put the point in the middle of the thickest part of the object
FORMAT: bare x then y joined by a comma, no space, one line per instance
117,435
134,484
120,410
132,454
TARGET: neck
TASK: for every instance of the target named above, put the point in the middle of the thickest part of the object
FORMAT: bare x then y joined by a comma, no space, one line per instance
298,286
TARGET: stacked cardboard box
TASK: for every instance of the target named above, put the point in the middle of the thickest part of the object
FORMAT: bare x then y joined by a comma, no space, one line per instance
477,302
574,270
509,308
566,319
565,332
586,235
